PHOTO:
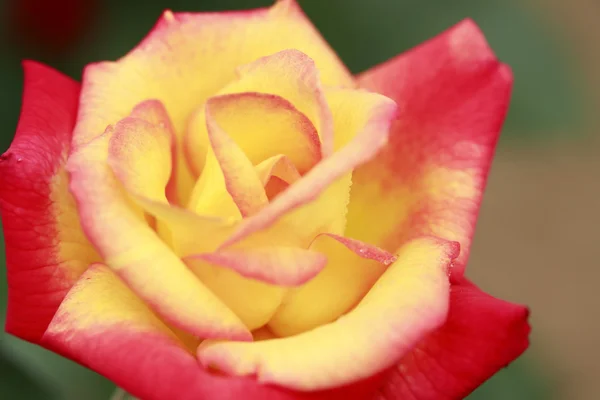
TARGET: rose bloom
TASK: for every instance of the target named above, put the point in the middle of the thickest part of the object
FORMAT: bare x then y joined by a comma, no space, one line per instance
226,212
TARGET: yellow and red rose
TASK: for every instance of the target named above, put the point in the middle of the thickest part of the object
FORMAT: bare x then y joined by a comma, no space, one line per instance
226,212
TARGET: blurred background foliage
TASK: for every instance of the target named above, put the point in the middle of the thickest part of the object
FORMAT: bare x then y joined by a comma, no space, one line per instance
548,99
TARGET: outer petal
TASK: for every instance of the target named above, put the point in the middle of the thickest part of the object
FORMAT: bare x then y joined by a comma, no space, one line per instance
453,94
190,56
46,250
407,302
481,336
135,350
134,251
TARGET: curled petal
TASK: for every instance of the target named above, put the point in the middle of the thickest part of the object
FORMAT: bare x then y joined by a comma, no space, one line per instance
329,180
140,156
252,300
124,322
284,266
407,302
364,250
352,269
46,250
235,173
277,166
251,118
188,57
429,179
292,75
187,232
481,336
134,251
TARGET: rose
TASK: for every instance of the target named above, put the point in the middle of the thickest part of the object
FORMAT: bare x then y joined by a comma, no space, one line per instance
169,201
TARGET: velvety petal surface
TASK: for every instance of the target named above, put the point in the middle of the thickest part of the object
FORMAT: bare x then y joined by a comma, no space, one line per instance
46,250
277,101
140,153
140,354
453,95
133,250
190,56
482,335
317,203
352,269
409,301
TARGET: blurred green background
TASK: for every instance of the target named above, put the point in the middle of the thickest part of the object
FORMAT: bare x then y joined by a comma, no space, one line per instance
549,116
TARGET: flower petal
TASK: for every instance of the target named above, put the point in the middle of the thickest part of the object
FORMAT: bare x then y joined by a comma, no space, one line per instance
132,348
187,232
328,181
352,269
251,118
253,301
286,85
283,266
46,250
140,155
134,251
481,336
229,175
407,302
294,76
277,166
97,291
190,56
453,94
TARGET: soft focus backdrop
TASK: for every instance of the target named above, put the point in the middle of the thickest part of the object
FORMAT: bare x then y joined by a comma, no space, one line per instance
537,239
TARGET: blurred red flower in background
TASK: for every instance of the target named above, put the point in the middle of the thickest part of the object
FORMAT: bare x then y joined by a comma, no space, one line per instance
49,26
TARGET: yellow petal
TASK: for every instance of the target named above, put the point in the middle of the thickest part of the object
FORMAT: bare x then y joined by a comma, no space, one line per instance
408,302
277,166
100,298
229,177
352,269
284,266
253,301
186,232
317,202
139,155
190,56
133,250
263,125
429,180
289,74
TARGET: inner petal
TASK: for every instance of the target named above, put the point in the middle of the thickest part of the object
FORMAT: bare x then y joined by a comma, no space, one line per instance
317,203
254,302
133,250
263,125
289,75
276,174
229,177
409,301
257,127
352,269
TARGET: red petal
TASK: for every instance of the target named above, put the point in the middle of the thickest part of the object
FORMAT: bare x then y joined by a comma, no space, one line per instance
452,94
124,341
46,250
482,335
